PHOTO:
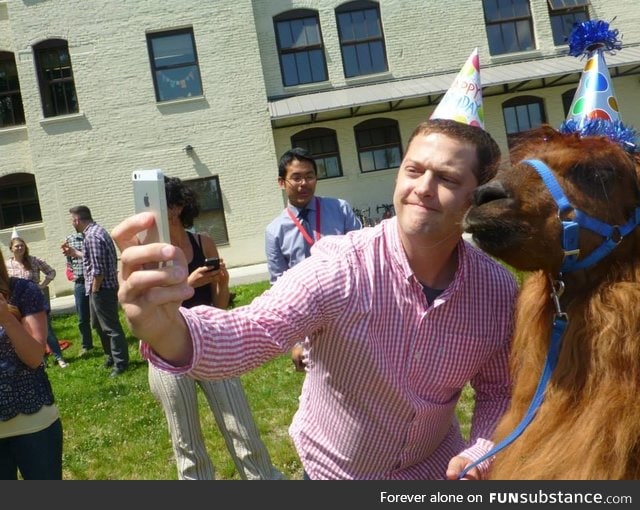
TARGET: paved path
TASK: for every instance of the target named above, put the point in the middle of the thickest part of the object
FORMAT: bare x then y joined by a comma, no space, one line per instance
237,276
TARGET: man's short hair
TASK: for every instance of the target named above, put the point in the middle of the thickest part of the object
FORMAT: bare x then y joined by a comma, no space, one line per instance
487,150
299,154
82,212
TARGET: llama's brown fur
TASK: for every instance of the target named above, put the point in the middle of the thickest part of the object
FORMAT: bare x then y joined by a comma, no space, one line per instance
588,426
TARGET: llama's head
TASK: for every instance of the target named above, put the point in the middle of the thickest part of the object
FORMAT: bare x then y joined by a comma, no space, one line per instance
515,217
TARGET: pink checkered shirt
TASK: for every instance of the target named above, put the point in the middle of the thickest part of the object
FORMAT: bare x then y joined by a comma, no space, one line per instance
385,369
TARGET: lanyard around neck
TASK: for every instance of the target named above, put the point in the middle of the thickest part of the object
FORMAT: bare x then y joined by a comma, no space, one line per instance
303,231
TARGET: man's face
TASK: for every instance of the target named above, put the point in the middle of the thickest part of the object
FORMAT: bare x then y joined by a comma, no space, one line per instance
434,186
300,183
75,221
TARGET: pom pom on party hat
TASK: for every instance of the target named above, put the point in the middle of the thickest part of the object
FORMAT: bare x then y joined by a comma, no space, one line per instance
463,101
594,110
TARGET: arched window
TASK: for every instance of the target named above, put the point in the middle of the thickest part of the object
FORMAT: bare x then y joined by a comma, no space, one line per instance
361,38
55,76
322,143
378,143
19,203
521,114
11,111
300,47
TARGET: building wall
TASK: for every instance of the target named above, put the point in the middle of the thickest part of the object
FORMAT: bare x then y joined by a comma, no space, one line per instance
88,158
422,37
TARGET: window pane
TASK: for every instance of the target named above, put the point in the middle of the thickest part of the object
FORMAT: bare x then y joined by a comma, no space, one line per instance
510,120
284,34
359,28
350,61
318,71
289,69
521,8
509,37
364,59
378,61
176,83
491,10
312,34
563,4
332,167
525,38
173,50
494,34
535,115
304,70
372,23
211,218
366,161
345,27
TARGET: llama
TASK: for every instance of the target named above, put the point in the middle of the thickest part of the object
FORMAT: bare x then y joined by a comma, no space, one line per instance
588,425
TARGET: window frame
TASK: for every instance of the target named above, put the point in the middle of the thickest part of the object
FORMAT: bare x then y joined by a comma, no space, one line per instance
518,102
370,126
299,52
361,6
565,16
309,139
212,218
157,70
19,181
50,106
514,20
10,97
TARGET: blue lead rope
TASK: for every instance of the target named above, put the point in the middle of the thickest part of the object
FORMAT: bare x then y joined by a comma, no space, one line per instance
559,326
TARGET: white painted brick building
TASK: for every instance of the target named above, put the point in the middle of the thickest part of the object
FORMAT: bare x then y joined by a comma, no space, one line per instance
242,115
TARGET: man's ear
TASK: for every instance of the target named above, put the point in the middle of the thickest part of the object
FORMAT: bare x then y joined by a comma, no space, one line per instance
281,182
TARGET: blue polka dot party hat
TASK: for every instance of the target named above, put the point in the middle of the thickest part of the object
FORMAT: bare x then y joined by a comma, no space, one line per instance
594,110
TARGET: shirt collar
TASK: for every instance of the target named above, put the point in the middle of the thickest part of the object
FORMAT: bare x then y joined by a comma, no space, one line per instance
400,257
311,206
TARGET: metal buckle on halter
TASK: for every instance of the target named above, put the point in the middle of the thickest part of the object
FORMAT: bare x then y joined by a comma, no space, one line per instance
557,289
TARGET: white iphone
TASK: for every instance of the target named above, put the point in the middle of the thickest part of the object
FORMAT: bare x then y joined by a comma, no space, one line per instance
149,195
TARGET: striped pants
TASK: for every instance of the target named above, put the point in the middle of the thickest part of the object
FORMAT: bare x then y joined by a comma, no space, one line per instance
228,402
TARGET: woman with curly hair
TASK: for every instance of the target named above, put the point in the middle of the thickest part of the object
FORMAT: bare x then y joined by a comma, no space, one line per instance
226,398
24,265
30,426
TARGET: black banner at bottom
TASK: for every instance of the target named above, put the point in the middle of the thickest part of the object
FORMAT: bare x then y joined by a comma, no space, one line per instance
175,495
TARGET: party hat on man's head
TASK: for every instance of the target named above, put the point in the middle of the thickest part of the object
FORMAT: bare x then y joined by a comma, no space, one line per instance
14,234
594,110
463,100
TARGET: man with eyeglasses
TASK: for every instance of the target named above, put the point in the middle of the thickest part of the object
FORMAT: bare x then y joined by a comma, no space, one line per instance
307,218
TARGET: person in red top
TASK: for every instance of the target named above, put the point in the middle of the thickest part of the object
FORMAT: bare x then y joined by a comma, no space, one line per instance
400,317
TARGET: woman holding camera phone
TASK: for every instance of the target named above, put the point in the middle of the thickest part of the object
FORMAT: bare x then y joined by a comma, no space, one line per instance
226,398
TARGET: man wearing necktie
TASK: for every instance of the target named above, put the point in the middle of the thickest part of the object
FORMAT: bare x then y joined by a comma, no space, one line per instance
307,217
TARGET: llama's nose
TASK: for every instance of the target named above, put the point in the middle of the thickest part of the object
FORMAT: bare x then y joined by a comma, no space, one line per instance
493,190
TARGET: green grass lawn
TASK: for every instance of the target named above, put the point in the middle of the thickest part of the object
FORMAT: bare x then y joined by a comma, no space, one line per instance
114,428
